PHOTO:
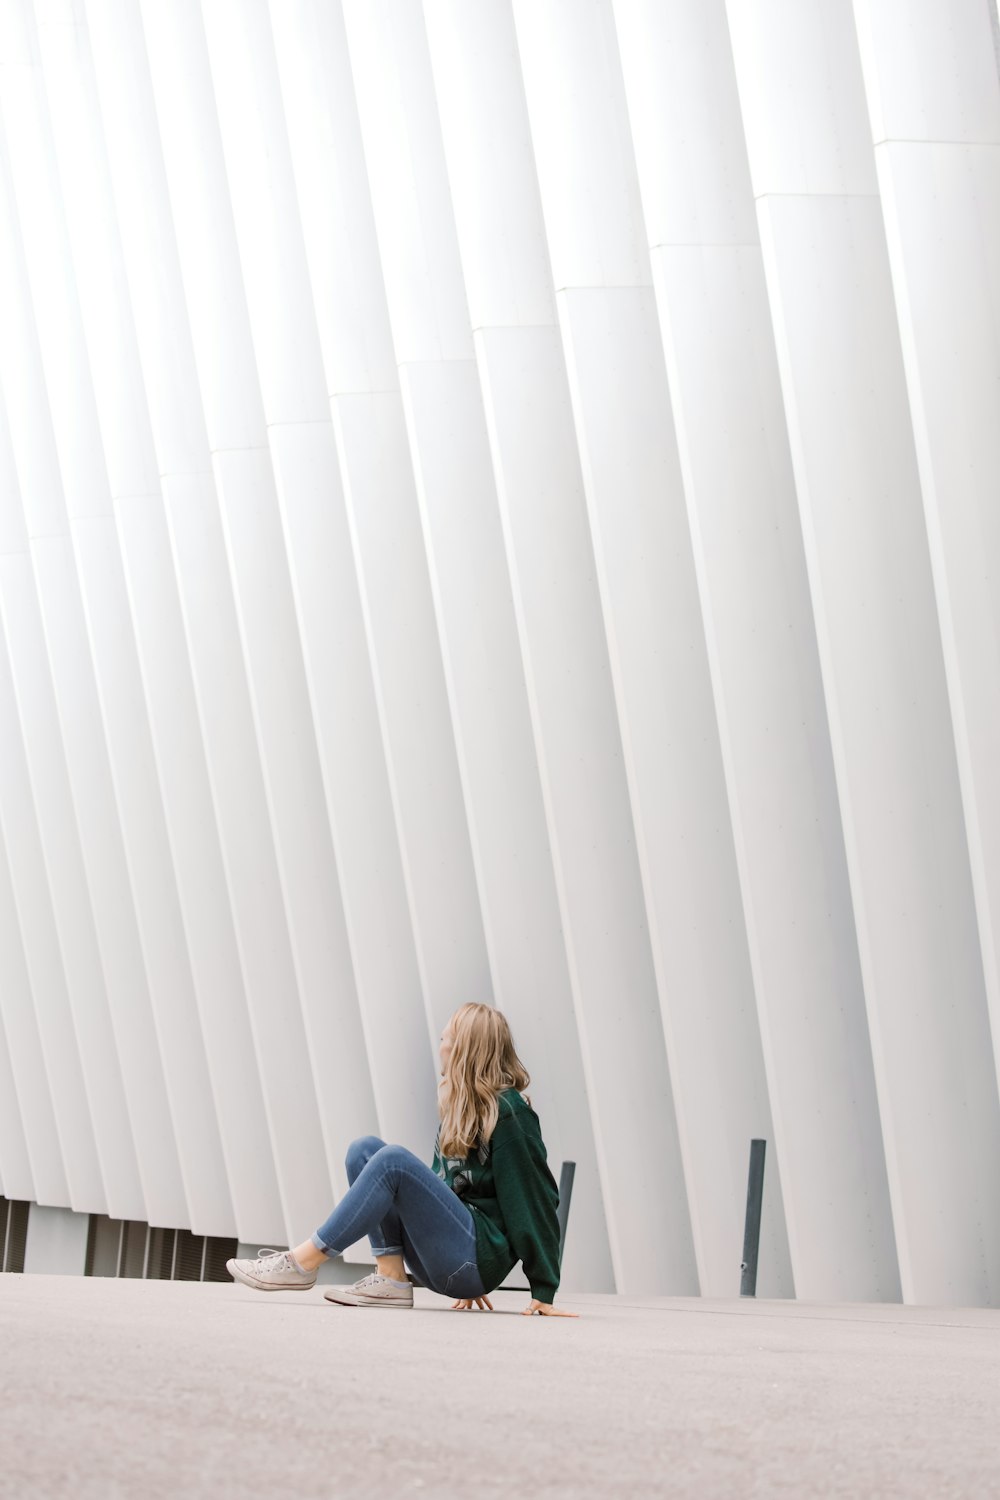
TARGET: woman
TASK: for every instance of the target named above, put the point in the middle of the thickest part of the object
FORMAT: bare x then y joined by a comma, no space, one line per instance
487,1202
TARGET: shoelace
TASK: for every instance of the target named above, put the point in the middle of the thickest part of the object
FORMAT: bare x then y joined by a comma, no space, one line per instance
263,1255
372,1280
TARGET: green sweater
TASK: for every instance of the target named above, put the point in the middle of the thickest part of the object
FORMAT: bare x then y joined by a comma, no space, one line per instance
513,1198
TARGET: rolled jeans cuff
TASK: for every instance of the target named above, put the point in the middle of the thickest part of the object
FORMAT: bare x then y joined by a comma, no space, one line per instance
314,1239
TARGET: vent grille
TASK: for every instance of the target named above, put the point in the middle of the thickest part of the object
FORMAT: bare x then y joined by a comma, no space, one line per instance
103,1241
13,1233
188,1256
127,1247
132,1255
160,1260
217,1252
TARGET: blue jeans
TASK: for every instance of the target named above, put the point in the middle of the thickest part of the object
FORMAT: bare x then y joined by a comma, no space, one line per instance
405,1209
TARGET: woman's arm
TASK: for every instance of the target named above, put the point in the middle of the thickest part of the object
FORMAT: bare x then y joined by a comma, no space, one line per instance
527,1197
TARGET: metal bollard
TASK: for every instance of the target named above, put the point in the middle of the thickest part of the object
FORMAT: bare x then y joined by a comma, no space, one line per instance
565,1194
751,1232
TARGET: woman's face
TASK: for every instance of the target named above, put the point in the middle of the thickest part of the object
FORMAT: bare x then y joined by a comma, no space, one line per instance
446,1043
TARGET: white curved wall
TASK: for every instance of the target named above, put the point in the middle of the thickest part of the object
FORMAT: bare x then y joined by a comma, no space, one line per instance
498,500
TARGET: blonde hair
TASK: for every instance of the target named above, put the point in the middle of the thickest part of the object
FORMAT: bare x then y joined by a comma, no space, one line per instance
482,1064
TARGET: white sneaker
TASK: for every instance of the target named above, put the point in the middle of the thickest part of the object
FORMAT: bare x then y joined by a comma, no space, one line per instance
371,1291
272,1271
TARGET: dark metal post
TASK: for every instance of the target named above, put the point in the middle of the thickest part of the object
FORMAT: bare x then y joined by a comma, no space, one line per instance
565,1194
751,1233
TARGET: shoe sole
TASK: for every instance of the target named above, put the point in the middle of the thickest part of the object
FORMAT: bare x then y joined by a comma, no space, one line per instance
362,1302
265,1286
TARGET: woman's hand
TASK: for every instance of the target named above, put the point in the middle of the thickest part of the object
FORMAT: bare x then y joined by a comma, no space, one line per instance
464,1304
547,1310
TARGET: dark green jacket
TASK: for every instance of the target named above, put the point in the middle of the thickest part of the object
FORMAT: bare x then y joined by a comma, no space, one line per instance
513,1198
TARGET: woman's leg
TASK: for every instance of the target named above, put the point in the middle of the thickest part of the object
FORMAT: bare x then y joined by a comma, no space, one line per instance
396,1189
387,1241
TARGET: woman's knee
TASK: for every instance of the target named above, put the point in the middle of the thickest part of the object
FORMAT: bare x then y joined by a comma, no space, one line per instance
362,1150
391,1153
388,1159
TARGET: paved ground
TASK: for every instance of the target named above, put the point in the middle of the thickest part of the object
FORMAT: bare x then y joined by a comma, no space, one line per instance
133,1388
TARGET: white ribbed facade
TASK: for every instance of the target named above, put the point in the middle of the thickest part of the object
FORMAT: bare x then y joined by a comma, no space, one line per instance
500,499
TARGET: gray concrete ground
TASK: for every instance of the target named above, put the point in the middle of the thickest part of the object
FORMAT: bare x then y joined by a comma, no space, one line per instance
149,1388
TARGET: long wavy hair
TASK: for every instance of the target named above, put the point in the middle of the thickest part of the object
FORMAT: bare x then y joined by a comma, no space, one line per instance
482,1064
